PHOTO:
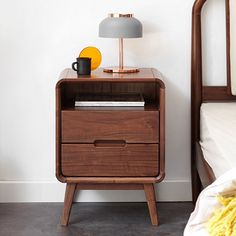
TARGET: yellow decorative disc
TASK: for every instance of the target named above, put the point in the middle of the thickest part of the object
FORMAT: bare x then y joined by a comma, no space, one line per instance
94,54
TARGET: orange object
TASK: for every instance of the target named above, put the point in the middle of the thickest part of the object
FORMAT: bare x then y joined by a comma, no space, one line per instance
94,54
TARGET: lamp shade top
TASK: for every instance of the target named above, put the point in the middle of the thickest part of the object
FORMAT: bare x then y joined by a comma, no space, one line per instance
120,26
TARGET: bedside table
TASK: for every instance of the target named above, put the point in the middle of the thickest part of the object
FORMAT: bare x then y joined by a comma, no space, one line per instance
110,147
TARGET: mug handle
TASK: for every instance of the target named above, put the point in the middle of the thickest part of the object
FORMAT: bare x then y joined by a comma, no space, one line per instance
73,66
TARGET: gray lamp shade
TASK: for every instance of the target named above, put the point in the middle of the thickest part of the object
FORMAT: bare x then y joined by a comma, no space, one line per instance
120,26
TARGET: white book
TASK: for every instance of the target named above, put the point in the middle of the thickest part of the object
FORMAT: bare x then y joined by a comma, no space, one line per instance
109,100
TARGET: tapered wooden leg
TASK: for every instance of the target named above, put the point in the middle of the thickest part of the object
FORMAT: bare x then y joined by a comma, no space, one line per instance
151,201
69,196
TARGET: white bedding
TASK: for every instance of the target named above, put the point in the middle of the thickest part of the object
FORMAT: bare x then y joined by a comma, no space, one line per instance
218,135
207,203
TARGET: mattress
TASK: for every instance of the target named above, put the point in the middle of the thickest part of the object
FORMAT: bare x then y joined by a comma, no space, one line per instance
218,135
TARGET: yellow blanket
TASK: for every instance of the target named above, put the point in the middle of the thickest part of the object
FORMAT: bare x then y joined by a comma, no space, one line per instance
223,221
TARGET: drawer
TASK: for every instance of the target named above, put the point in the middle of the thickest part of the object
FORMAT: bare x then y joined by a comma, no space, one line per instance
89,126
111,159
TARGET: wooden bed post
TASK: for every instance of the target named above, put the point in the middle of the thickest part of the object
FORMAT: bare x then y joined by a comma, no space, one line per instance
227,13
202,173
196,92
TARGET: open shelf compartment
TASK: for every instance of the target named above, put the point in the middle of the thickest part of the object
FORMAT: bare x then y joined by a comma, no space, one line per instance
149,91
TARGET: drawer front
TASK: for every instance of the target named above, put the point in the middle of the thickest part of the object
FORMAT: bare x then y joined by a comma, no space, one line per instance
130,126
110,160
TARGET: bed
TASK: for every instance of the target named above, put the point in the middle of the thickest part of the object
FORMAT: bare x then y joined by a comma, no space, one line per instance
213,108
213,136
218,135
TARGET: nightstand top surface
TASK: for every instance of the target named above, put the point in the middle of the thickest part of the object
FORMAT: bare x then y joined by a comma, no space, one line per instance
144,75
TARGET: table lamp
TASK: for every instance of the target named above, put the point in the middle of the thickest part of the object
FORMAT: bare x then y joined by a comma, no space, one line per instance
120,26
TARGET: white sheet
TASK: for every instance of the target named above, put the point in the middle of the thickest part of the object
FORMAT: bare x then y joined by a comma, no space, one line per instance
218,135
233,45
207,203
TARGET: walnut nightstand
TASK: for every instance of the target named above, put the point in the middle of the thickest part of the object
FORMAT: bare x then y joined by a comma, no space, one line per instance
110,147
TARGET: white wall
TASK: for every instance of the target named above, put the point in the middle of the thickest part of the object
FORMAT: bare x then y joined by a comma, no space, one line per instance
40,38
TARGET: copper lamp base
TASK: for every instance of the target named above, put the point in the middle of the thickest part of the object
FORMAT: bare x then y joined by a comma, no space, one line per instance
121,70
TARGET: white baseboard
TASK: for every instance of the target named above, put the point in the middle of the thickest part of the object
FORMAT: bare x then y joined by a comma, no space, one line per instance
52,191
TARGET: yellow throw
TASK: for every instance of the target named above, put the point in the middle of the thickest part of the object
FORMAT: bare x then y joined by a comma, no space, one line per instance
223,220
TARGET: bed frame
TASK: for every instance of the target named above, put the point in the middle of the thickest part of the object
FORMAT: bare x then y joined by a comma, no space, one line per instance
202,174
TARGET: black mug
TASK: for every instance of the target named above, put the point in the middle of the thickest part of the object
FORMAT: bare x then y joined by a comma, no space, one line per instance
82,65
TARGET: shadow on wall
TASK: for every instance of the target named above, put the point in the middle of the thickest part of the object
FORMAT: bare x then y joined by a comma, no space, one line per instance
138,51
177,130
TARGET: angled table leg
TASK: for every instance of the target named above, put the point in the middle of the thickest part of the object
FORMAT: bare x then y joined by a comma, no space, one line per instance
69,196
151,201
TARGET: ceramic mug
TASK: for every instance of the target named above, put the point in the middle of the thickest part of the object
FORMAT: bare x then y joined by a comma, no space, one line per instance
82,65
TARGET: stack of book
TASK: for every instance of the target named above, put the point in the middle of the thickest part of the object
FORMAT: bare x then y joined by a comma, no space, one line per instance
109,100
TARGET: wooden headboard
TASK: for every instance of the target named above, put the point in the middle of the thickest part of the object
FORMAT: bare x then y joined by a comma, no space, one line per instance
200,93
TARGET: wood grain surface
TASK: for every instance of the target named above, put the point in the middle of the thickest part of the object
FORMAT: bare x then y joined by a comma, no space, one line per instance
115,147
129,160
130,126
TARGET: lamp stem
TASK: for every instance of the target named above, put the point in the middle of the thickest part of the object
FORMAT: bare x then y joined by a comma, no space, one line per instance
121,54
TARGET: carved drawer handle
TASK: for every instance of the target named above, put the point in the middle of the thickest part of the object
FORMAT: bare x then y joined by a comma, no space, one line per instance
109,143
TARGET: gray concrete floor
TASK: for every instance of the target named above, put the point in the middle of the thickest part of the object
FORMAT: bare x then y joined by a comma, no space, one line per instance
92,219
